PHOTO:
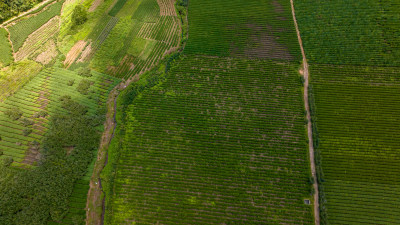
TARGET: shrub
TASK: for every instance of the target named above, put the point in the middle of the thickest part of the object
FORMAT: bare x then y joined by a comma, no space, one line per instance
14,113
79,15
26,122
7,161
71,82
85,72
83,86
40,114
27,131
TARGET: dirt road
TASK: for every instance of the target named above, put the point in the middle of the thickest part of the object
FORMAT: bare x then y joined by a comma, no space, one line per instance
309,125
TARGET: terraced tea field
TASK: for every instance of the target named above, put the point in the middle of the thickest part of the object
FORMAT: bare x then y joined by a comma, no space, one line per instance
37,101
139,41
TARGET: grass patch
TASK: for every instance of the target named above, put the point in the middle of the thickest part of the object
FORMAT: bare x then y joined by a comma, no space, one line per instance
5,49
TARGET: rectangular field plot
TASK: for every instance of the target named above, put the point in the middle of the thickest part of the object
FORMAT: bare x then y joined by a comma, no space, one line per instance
250,29
360,32
358,119
219,142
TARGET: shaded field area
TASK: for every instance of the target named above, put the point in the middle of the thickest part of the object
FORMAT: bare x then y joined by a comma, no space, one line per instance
24,116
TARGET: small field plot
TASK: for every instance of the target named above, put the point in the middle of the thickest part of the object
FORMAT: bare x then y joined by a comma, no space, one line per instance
21,29
137,40
358,119
13,77
350,32
219,142
40,45
24,116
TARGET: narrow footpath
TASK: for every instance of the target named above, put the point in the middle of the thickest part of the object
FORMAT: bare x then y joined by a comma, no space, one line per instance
309,125
95,204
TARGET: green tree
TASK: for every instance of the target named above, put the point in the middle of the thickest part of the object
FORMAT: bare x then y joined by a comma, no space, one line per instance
79,15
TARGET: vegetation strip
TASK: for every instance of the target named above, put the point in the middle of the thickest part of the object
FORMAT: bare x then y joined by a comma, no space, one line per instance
309,121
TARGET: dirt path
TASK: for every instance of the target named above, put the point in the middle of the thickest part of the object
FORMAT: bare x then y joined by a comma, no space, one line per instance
95,201
309,125
25,13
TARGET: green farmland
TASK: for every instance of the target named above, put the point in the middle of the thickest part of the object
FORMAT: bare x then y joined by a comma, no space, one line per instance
212,139
199,112
357,113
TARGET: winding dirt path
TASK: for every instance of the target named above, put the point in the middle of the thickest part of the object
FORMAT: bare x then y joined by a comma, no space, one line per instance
95,204
309,125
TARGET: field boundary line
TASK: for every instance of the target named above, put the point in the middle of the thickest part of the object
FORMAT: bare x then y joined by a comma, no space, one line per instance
309,123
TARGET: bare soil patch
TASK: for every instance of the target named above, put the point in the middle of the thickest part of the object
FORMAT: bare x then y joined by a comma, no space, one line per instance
48,54
278,7
262,44
95,4
167,7
86,53
74,53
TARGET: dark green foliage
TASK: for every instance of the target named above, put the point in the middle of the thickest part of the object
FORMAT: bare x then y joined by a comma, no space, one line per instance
9,8
5,162
71,82
118,6
26,122
41,194
27,131
183,3
83,86
85,72
40,114
14,113
79,15
73,106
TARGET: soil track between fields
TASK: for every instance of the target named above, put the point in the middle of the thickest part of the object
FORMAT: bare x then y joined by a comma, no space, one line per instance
309,125
95,201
